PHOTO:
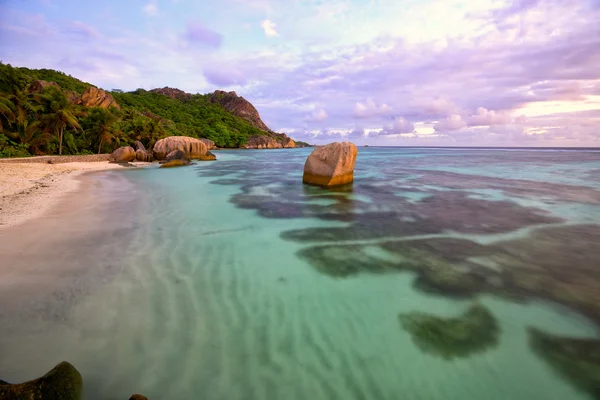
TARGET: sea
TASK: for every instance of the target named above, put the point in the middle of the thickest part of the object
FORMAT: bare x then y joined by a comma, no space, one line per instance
425,279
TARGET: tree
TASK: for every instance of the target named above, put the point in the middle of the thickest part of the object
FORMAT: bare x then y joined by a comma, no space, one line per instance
104,126
30,134
6,111
60,114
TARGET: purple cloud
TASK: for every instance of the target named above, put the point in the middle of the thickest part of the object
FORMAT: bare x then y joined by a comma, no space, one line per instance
223,76
196,33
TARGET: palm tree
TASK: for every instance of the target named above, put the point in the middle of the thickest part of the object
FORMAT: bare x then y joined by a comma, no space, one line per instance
31,134
60,114
7,111
105,127
24,105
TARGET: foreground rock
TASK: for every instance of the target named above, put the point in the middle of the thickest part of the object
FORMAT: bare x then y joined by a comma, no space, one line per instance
138,397
123,154
176,158
94,97
331,165
194,148
63,382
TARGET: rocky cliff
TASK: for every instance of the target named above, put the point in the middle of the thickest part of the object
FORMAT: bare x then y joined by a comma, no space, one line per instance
239,107
94,97
172,93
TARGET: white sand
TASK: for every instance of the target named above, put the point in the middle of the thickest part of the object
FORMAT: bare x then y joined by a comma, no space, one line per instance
28,190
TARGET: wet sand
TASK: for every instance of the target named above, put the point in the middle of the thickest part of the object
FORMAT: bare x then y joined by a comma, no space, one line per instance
49,263
30,187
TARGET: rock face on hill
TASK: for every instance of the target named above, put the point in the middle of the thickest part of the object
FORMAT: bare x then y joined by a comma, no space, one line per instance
94,97
39,85
240,107
62,382
172,93
194,148
331,165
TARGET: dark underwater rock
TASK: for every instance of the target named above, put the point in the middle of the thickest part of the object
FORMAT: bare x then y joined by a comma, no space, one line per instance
473,332
575,360
63,382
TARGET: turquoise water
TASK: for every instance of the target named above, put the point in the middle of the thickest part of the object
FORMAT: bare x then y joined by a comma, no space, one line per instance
232,280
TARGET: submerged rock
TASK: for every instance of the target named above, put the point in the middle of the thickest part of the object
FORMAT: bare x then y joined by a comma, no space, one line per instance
194,148
138,397
175,163
331,165
208,157
63,382
123,154
576,360
472,332
176,158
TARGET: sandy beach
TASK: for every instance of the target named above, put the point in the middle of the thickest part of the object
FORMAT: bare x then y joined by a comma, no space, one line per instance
30,187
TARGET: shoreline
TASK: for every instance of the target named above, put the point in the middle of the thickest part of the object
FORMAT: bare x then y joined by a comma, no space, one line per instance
30,187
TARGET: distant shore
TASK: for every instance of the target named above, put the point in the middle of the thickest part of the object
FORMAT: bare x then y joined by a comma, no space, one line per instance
29,187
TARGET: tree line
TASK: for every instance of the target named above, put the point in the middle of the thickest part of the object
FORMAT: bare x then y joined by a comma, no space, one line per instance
50,122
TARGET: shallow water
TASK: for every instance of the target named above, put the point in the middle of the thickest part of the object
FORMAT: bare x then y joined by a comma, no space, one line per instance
232,280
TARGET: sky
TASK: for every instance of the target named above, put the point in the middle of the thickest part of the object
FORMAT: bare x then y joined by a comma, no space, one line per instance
377,72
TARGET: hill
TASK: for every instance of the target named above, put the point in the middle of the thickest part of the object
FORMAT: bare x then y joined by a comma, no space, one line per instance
48,112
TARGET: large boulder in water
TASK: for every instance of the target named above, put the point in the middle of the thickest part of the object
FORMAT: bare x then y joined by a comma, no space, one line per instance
194,148
123,154
63,382
331,165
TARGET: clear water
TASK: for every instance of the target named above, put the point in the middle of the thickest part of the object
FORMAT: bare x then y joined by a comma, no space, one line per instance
200,290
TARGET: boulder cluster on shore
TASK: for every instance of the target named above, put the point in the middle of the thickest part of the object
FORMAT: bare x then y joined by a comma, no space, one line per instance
173,151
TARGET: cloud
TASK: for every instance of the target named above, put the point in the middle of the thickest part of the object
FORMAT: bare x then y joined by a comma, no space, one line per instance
485,117
224,76
399,126
150,9
196,33
81,29
319,115
451,123
269,27
369,109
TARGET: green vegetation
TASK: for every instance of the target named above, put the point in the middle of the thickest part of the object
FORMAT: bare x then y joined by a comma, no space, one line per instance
49,121
472,332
